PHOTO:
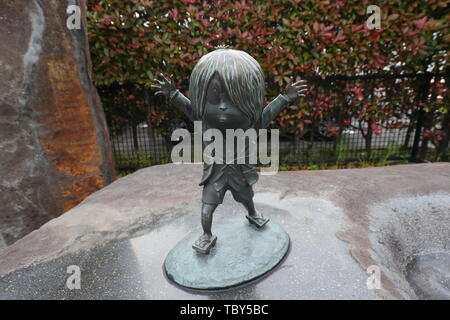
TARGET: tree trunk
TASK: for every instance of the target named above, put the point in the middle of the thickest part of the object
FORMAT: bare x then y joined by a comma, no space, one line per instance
442,153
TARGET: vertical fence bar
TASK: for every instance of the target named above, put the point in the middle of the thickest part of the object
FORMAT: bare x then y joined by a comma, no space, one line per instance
422,98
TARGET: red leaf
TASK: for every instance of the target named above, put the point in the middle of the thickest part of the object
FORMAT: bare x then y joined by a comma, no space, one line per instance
359,93
421,22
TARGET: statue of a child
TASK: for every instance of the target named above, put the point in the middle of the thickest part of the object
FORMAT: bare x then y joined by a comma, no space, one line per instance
227,91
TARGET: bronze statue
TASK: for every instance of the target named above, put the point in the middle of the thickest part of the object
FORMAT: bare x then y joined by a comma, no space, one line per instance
227,91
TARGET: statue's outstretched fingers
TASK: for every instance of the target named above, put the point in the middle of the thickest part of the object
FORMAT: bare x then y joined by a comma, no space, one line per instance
156,81
165,78
299,82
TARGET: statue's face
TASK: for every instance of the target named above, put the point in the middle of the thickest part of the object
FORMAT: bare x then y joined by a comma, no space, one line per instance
220,111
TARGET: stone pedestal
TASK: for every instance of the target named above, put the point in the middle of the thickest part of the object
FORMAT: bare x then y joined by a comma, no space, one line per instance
242,253
340,223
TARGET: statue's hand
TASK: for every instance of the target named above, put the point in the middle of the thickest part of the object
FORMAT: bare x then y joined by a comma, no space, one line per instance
296,90
165,85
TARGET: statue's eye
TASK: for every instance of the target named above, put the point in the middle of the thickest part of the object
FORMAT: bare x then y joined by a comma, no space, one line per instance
214,94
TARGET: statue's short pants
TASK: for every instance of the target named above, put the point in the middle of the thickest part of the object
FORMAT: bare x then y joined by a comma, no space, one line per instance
212,196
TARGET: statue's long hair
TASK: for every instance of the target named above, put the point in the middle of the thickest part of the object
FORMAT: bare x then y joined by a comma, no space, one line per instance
242,76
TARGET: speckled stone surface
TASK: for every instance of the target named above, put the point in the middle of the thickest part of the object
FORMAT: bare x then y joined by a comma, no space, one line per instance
429,275
340,222
242,253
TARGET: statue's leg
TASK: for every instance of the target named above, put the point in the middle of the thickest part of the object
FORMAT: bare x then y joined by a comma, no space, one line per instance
254,217
207,240
250,207
207,216
211,198
245,196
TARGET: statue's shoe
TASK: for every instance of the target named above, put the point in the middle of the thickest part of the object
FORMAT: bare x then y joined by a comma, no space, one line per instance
259,222
204,245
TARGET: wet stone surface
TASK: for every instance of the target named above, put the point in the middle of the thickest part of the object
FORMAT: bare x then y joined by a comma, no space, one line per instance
429,275
340,222
318,266
411,244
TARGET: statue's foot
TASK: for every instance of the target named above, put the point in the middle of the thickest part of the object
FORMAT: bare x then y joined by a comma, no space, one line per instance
205,243
257,219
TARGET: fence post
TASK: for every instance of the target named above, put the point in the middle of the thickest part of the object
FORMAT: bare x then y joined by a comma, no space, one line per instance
422,97
443,150
419,124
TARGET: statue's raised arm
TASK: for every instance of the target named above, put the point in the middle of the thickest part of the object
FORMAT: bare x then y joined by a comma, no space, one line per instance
293,91
167,88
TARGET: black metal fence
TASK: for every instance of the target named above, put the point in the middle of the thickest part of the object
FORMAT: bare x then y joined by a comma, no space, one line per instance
342,119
